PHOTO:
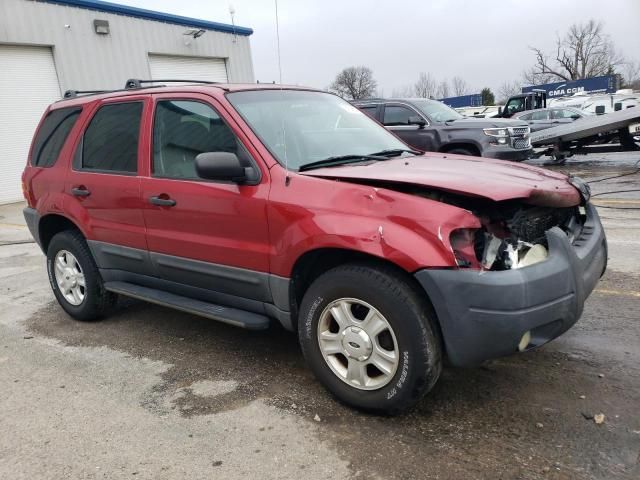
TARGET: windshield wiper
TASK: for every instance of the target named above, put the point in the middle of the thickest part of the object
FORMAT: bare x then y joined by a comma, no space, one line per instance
338,160
394,152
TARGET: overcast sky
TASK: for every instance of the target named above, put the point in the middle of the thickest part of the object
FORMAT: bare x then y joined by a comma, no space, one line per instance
484,42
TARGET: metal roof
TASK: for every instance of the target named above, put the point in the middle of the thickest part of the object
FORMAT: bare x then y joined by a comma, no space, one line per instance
153,15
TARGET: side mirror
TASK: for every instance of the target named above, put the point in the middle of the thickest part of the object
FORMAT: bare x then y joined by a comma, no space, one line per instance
600,110
575,116
417,120
223,166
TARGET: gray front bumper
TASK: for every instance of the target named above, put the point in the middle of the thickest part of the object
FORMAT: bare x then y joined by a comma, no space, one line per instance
484,315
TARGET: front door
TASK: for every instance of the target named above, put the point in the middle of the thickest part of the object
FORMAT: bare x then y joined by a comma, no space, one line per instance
103,187
399,120
206,234
540,120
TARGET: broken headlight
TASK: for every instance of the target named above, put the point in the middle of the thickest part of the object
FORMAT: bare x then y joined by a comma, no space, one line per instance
463,243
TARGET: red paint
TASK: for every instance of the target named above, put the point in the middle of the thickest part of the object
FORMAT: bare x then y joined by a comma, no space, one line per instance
483,177
267,227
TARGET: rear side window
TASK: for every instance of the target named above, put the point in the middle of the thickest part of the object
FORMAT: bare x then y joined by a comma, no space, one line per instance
110,141
52,135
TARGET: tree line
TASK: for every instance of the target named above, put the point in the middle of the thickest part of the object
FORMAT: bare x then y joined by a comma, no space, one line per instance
584,51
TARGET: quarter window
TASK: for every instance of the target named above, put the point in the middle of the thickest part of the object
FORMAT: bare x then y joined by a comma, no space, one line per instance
52,135
182,130
395,115
111,140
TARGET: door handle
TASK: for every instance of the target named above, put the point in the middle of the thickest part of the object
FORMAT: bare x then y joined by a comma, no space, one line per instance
80,192
163,202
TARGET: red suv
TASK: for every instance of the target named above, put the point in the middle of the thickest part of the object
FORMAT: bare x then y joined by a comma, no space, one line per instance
252,203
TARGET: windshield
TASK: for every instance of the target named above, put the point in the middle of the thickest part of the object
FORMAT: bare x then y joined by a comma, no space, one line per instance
299,127
437,111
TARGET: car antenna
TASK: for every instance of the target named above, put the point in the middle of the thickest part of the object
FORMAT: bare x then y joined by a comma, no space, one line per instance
287,179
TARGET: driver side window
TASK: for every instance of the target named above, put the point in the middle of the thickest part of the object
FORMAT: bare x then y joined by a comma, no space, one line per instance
555,114
182,130
540,115
398,116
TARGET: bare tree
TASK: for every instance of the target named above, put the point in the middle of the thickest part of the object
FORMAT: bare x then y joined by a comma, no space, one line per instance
631,75
507,89
406,91
584,51
354,83
534,77
425,87
460,86
443,89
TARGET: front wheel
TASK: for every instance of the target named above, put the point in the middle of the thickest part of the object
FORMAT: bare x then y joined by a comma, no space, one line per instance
370,338
462,151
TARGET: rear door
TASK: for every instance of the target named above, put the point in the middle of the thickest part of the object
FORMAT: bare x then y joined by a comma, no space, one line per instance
397,119
102,189
203,233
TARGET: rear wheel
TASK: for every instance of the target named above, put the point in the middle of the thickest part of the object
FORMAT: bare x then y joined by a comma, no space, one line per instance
75,279
369,337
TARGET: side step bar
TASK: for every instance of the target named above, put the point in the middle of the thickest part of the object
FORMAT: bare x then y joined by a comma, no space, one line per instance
232,316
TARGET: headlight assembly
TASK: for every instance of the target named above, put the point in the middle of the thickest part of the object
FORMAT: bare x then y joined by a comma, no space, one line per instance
496,132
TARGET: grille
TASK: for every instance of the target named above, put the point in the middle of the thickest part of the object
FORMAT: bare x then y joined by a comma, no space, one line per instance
519,131
521,143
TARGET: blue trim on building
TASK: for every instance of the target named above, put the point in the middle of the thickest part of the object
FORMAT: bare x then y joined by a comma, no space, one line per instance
152,15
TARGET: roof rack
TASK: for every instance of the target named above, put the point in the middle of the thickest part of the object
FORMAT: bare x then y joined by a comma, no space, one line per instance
131,84
75,93
137,83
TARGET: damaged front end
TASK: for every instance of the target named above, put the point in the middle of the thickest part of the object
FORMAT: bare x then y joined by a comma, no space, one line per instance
513,235
490,306
513,232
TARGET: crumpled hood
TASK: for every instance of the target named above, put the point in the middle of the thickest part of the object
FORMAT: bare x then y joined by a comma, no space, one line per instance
474,176
486,123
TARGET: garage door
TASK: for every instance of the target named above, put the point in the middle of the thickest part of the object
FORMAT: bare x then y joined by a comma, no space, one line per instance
190,68
28,84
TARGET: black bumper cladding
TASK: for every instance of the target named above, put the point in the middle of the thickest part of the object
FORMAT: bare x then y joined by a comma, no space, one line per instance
484,315
32,218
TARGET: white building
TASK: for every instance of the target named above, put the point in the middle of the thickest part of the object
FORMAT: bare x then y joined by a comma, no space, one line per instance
50,46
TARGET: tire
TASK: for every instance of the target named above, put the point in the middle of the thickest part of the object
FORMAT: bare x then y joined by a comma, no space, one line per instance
96,301
462,151
412,333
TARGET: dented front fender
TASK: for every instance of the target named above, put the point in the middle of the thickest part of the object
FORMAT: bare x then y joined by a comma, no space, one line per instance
410,231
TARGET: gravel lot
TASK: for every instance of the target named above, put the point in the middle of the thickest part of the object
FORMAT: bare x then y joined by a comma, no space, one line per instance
157,394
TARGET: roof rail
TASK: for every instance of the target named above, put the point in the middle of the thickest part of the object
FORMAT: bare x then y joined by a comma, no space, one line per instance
75,93
137,83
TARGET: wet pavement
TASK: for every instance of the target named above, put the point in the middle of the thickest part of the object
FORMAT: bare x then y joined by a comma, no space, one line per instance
154,393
